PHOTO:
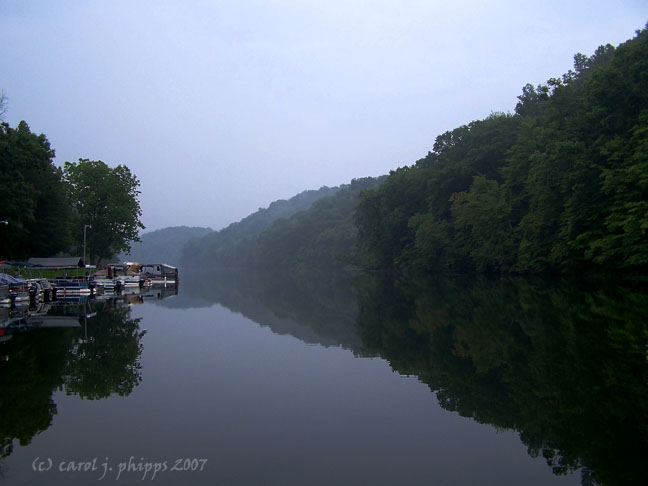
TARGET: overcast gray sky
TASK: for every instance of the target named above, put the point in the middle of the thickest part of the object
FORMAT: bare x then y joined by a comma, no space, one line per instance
221,107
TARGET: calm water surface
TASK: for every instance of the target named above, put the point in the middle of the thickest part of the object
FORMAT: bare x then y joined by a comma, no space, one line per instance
315,380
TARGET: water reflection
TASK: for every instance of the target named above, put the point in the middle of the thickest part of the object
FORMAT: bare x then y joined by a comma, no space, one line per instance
564,365
88,347
317,308
561,363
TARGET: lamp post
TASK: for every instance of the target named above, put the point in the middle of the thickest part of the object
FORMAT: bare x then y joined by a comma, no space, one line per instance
84,242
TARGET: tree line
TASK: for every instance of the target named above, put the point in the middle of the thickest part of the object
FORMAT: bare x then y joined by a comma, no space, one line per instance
44,209
560,185
312,229
233,246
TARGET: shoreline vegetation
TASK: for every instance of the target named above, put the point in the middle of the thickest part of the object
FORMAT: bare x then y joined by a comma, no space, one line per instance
558,187
48,211
538,215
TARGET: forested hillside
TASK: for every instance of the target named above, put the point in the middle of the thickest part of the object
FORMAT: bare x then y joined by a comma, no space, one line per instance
222,247
560,185
164,245
322,234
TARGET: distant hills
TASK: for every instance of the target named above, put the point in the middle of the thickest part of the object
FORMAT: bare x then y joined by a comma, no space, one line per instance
315,229
163,245
166,245
231,245
559,186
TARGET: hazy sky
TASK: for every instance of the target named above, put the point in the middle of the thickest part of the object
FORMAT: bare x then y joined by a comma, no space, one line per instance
221,107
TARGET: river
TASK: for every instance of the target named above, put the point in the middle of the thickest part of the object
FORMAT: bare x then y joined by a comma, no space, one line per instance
324,379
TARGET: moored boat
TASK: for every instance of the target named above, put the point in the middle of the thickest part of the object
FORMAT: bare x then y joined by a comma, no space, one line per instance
40,289
13,291
160,273
106,284
129,280
72,286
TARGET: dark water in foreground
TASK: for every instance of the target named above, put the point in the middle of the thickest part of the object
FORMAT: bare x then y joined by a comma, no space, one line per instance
302,379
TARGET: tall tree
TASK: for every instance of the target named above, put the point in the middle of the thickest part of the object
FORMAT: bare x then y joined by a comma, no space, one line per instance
107,199
483,232
32,201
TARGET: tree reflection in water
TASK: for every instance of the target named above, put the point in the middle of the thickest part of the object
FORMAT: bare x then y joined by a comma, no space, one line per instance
564,365
97,358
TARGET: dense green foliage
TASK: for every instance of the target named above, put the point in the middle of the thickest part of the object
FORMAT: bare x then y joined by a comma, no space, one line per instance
43,209
163,245
320,237
32,197
559,185
313,229
105,198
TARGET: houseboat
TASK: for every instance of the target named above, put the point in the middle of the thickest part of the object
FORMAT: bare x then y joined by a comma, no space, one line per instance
114,277
160,273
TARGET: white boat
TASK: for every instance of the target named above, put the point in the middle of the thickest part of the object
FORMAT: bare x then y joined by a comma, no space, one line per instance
75,286
129,280
106,284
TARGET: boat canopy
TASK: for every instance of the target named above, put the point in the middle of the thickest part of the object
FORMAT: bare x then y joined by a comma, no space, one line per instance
6,279
64,262
159,269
